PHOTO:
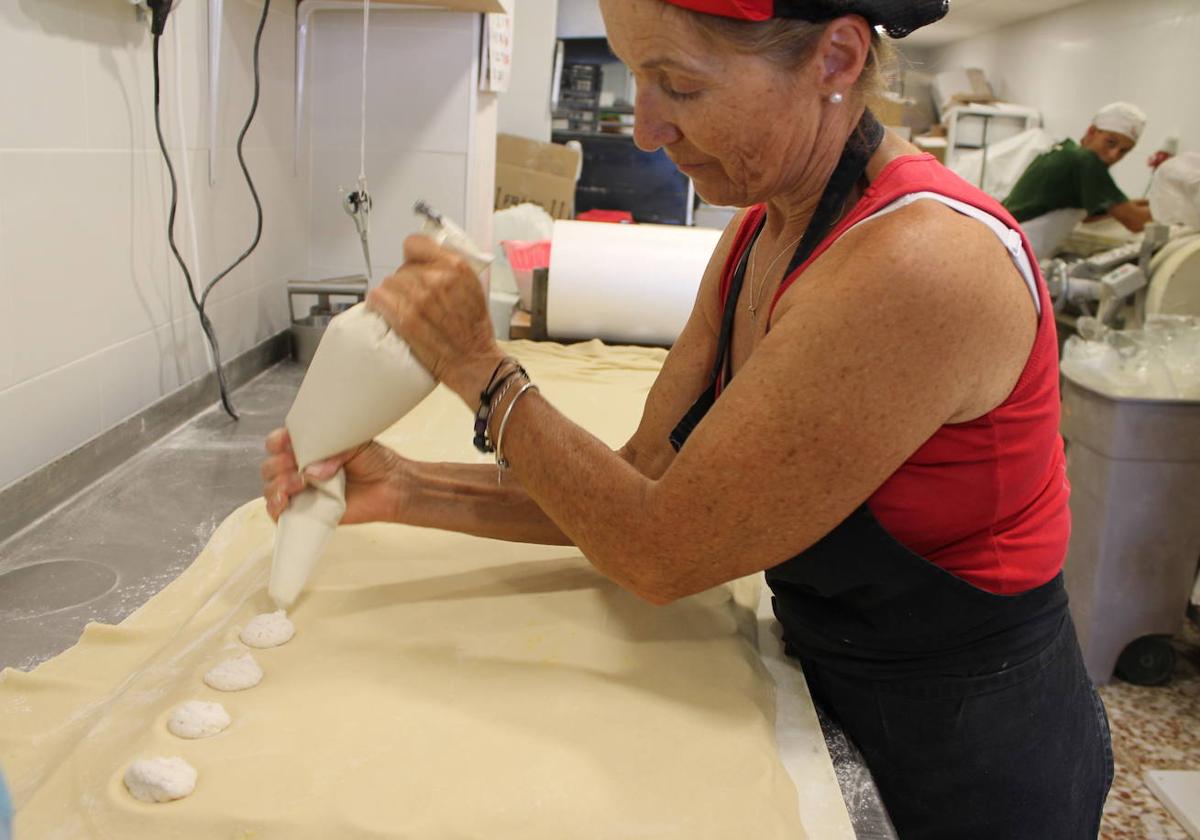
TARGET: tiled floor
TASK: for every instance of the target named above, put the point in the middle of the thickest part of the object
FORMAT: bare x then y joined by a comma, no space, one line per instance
1154,728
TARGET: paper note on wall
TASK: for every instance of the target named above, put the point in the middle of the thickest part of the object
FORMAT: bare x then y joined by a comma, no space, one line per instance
496,66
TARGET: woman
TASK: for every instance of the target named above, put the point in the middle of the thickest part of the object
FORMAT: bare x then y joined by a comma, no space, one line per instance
868,394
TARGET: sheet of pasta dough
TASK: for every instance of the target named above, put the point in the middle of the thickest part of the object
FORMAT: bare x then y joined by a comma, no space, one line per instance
438,686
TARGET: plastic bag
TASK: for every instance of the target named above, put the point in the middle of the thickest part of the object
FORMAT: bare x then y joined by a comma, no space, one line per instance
1161,361
523,223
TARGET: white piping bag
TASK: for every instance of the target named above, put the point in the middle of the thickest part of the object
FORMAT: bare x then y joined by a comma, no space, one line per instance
362,379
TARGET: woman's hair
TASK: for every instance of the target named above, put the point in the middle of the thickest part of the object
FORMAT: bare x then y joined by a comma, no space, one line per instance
789,43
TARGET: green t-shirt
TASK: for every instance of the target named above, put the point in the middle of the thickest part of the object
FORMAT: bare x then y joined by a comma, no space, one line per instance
1066,176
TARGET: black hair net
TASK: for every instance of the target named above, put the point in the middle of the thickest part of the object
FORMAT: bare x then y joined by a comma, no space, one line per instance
897,17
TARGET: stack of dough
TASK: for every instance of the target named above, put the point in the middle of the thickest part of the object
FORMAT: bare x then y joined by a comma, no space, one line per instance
438,686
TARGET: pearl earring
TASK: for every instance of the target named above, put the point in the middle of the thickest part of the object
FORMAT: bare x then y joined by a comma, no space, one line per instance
836,99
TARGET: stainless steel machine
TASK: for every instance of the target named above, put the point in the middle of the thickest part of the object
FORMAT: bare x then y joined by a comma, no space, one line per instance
1157,274
333,295
1133,463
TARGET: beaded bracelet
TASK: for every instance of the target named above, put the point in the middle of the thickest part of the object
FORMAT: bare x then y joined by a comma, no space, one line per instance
487,399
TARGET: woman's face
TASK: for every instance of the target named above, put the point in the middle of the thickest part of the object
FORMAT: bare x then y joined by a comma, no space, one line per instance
740,126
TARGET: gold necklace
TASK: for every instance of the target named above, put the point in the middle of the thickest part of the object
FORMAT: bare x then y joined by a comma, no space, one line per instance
757,285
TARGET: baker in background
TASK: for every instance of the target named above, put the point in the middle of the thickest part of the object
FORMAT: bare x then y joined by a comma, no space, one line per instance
1072,182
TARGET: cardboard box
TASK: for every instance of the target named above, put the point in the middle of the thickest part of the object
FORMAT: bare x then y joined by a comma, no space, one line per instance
535,172
891,110
960,87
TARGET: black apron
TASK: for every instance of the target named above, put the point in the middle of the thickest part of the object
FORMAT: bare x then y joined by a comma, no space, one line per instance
973,711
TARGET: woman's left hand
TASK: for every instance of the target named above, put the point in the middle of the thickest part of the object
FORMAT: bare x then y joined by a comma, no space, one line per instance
436,303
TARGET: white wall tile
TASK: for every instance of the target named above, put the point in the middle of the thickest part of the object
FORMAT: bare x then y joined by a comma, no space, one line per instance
131,199
184,353
226,222
283,253
59,252
131,378
42,65
273,125
236,322
95,322
272,309
578,19
118,82
184,57
48,416
419,80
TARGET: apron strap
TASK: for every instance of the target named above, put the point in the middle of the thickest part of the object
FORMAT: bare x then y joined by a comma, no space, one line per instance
859,148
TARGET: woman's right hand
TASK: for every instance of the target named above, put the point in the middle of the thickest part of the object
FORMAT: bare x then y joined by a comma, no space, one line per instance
376,478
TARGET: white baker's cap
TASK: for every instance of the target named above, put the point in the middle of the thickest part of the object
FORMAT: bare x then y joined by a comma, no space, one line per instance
1123,118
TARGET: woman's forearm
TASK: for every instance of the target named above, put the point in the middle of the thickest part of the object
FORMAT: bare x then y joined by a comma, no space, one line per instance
467,498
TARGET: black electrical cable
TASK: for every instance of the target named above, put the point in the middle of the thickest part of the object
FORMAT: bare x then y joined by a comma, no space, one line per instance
199,301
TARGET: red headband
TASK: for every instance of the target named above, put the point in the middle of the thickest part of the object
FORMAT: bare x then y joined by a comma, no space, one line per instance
740,9
897,17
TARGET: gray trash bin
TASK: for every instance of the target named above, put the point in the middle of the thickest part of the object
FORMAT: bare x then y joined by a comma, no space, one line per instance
1134,467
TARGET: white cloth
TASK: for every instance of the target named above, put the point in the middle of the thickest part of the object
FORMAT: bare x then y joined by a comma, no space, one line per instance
1048,232
1123,118
1006,162
1175,191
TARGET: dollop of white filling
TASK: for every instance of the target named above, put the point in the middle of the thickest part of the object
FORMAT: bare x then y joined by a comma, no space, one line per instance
198,719
160,779
268,630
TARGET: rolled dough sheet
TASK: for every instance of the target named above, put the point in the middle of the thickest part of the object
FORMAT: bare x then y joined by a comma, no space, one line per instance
441,686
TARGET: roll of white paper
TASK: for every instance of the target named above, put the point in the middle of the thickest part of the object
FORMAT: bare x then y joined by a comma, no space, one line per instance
631,284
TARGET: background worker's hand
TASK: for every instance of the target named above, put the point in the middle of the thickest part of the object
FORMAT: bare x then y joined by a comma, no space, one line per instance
376,478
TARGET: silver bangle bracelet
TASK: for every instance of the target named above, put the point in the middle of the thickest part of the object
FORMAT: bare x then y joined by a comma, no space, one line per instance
501,461
499,398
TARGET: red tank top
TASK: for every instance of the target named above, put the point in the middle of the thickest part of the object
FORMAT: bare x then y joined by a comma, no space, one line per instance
985,500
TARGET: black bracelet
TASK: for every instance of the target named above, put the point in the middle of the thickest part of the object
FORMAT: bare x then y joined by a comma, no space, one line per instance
482,440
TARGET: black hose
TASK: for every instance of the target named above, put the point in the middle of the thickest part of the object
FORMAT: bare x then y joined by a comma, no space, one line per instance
200,301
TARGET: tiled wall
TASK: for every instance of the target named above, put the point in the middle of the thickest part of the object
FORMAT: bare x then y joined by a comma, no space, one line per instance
94,320
425,134
1071,62
579,19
